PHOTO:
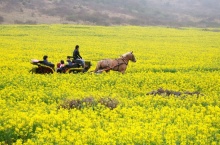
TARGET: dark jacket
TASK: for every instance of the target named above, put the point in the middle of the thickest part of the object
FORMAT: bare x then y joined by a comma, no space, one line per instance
76,54
45,62
69,62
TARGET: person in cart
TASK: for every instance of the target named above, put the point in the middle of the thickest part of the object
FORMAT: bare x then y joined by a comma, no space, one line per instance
45,61
77,57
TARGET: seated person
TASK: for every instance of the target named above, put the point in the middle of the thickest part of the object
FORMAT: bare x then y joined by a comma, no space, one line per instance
77,57
61,66
71,63
45,61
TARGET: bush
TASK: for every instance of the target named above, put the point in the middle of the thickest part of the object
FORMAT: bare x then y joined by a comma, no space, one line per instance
88,102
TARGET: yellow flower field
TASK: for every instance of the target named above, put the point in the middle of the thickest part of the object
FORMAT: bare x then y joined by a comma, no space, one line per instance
179,59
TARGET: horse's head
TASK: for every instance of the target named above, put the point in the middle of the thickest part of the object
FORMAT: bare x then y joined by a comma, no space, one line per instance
133,57
130,56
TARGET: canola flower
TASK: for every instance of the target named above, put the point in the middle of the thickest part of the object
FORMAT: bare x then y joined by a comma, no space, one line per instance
177,59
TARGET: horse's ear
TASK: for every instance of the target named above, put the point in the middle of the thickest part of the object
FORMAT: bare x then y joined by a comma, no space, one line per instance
131,52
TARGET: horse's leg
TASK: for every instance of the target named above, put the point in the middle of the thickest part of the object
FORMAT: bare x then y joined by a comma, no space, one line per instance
107,71
97,67
122,70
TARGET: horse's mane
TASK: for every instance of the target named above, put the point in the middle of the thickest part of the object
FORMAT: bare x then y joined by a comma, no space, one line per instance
124,55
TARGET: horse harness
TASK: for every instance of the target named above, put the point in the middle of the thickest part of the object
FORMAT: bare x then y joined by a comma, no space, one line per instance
118,65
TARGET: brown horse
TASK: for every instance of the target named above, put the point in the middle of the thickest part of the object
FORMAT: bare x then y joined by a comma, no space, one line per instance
119,64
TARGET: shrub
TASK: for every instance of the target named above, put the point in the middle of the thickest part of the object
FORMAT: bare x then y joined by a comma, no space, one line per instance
88,102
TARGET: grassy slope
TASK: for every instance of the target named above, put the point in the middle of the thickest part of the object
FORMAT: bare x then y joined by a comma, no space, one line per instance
200,13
